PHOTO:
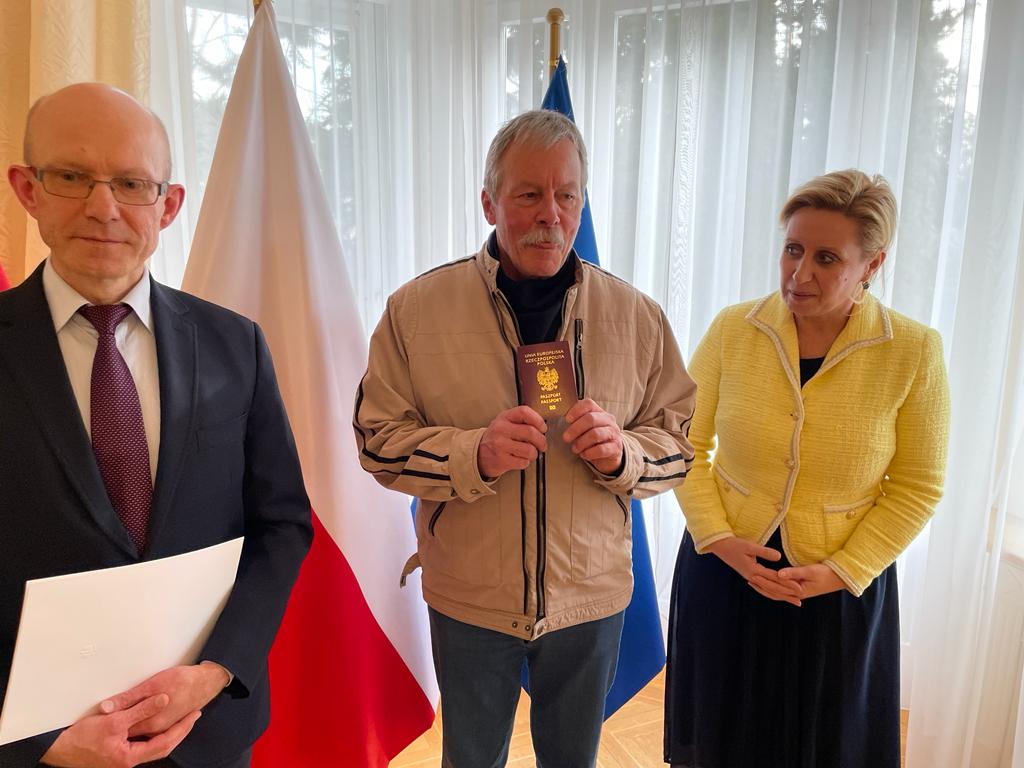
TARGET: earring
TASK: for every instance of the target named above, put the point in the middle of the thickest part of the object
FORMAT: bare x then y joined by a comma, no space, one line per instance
858,296
865,285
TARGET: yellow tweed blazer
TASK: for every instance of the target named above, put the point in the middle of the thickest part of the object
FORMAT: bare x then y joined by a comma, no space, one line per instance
851,465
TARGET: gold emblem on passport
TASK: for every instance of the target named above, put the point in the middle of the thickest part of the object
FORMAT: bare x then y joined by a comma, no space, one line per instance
546,380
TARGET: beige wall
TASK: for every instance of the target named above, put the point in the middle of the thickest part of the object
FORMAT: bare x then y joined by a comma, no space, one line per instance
44,45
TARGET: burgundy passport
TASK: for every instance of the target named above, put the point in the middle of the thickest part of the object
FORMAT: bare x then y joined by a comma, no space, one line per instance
546,380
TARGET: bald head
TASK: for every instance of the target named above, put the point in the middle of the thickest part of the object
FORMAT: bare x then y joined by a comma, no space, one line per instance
86,109
99,244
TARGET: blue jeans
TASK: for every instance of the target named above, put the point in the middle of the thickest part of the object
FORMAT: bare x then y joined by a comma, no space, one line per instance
479,673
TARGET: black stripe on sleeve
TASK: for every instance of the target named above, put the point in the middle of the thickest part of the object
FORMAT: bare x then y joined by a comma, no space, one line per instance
666,460
429,455
646,479
384,459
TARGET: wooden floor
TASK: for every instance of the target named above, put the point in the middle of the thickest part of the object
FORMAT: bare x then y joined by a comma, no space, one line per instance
632,737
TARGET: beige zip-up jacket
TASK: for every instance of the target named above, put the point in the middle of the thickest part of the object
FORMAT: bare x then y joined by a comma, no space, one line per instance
547,547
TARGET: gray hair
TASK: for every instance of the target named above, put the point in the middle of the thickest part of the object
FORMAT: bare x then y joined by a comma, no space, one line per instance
541,127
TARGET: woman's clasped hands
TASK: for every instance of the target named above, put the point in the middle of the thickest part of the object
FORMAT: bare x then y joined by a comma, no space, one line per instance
791,584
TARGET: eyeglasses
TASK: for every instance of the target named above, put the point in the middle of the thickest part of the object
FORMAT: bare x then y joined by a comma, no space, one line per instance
64,183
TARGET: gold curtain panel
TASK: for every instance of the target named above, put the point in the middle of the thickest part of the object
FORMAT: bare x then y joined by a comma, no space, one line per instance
47,44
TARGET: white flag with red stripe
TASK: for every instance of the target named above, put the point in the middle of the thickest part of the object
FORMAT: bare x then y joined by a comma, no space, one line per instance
351,676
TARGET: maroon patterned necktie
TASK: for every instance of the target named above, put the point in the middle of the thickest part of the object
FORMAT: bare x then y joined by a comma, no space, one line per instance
118,433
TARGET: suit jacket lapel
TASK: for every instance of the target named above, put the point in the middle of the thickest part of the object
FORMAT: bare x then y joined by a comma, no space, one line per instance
30,352
176,349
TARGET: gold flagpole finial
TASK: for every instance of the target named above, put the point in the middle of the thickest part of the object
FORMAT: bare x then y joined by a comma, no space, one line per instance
555,18
256,5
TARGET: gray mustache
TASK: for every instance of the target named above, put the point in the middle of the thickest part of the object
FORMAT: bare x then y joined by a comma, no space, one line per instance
542,237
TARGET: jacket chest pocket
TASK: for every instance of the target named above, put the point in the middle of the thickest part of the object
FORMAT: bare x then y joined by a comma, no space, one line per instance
462,380
605,361
218,464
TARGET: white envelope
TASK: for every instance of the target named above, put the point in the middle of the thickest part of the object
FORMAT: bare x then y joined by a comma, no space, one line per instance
85,636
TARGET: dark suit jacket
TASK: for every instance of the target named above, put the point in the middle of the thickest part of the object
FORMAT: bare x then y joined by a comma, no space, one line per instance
227,467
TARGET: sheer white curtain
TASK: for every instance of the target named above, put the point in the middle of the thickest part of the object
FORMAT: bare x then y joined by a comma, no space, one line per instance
979,306
700,116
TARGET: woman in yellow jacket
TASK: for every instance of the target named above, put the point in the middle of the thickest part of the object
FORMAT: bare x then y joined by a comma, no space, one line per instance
820,435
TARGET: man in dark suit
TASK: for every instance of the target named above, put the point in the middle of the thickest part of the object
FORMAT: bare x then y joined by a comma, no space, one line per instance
138,422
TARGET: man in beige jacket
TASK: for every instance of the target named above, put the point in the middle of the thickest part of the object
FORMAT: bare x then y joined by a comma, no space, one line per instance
523,524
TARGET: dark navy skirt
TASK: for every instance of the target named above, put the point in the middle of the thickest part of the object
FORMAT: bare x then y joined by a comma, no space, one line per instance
756,682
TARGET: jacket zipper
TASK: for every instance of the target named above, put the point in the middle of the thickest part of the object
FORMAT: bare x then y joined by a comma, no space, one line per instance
542,478
542,507
522,540
437,514
497,296
542,539
578,343
624,508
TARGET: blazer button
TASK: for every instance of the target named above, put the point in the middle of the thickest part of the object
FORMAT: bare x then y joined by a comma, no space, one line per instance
790,463
778,507
515,625
475,491
527,628
850,515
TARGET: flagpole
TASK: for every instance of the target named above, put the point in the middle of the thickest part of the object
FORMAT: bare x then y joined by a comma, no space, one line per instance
554,18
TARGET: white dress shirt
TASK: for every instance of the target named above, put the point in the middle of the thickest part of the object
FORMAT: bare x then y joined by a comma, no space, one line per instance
134,338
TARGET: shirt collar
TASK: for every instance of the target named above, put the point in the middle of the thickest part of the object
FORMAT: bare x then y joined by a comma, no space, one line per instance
64,301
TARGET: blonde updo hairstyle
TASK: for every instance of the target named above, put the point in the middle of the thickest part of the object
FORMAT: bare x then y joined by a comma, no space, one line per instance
867,200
